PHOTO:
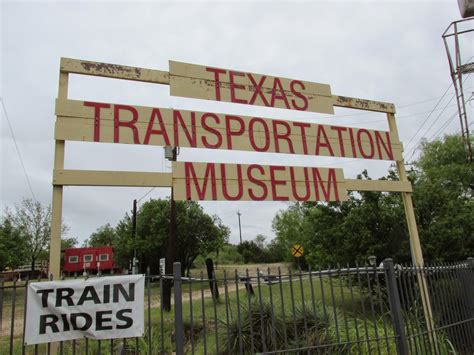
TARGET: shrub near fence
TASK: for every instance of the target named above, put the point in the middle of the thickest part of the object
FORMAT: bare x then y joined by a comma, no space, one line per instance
359,310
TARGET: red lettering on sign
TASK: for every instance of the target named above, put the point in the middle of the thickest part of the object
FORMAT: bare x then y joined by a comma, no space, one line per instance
298,94
211,130
331,182
201,191
276,182
129,124
260,183
371,142
162,131
234,86
217,84
293,185
97,107
303,127
285,135
277,86
326,144
257,90
191,137
386,146
230,132
266,133
351,136
225,192
339,131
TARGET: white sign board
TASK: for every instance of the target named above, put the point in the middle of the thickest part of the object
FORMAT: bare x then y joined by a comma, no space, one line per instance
97,308
162,266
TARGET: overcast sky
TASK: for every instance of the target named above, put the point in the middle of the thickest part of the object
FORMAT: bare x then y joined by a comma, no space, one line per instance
387,51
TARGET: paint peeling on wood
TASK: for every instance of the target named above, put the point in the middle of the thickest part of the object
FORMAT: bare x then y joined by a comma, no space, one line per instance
361,104
111,69
85,67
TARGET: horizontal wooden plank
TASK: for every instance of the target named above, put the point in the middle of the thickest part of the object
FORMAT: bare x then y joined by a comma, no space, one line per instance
86,67
297,173
209,83
204,85
188,70
159,126
232,182
111,178
362,104
378,185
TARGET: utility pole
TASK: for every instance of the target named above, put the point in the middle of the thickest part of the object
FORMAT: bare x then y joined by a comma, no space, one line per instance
454,37
240,228
134,236
171,153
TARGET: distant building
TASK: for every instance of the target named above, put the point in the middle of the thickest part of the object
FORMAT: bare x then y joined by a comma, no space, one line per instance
90,260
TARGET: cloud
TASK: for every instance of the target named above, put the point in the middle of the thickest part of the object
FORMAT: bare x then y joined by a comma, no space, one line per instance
388,51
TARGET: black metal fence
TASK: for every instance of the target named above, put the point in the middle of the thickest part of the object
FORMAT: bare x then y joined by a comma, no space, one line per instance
388,309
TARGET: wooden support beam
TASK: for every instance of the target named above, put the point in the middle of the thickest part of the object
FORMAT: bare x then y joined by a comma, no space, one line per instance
377,185
110,178
361,104
86,67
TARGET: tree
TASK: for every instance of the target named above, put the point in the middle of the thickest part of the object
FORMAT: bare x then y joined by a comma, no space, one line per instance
288,227
374,223
257,251
103,236
260,241
13,249
443,199
68,242
198,234
33,222
250,251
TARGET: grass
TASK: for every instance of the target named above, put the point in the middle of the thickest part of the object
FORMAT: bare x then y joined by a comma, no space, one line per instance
304,312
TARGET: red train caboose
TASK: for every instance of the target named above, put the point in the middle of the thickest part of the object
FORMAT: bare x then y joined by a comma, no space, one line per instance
90,260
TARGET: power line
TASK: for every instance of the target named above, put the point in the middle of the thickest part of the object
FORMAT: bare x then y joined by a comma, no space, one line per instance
17,149
420,102
443,127
437,118
435,135
145,195
402,116
415,147
429,115
400,106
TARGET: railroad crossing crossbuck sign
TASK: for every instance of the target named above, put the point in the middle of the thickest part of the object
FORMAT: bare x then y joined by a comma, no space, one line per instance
297,251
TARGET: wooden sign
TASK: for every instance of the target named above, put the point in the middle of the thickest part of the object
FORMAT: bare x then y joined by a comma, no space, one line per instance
254,182
113,123
101,122
297,250
209,83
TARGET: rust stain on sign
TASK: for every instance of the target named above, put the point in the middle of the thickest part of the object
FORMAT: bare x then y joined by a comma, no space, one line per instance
86,67
111,69
361,104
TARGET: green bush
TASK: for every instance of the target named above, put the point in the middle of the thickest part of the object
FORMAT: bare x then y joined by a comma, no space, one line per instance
307,328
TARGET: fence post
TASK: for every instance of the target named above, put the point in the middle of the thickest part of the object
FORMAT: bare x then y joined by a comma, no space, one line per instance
395,308
211,275
178,310
469,287
1,302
